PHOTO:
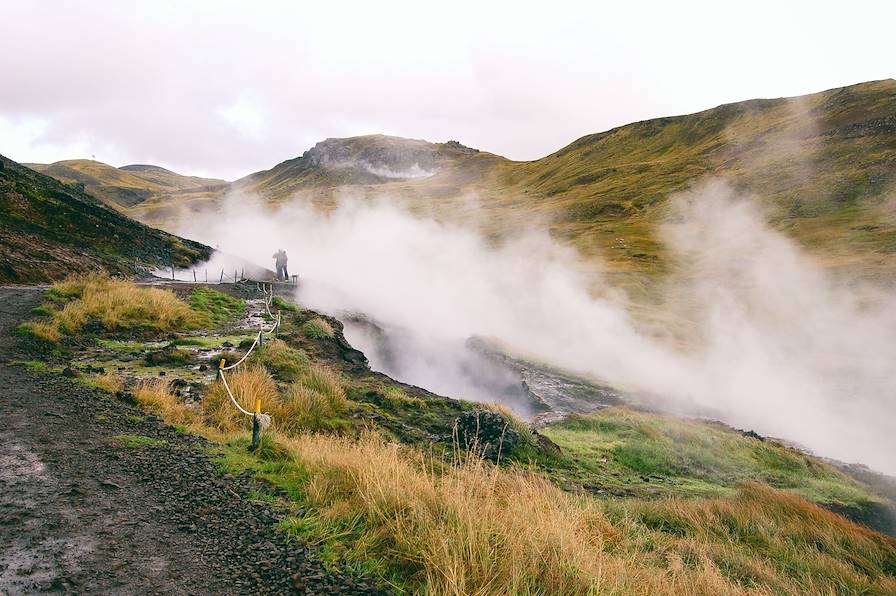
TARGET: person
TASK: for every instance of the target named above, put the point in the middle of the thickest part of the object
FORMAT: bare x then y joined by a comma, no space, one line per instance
280,261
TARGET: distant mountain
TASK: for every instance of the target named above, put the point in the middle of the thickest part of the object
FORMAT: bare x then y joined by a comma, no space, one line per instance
128,186
49,230
825,164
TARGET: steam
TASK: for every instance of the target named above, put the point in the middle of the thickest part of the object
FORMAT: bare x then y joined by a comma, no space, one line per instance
776,345
415,171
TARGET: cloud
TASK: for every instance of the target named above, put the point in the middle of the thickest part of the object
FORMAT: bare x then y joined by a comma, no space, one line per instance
149,84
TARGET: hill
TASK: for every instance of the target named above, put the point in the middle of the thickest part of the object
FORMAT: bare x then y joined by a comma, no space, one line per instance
50,230
824,164
130,185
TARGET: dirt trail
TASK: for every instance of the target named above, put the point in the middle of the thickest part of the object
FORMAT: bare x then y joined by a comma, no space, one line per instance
80,513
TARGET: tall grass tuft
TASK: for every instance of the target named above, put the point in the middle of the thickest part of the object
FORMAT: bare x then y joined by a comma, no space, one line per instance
155,396
247,383
117,305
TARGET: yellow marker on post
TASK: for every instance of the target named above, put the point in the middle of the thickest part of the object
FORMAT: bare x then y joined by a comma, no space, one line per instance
258,405
221,364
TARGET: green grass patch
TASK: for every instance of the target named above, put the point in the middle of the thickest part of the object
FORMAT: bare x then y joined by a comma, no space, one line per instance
278,303
644,453
44,310
317,328
218,307
135,441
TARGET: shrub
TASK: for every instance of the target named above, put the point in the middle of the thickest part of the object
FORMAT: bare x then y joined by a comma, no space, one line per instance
317,328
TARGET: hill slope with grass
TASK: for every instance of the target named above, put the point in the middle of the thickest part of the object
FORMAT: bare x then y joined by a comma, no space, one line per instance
406,487
824,164
49,230
129,186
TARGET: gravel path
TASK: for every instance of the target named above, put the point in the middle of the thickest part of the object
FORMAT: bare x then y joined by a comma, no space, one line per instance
80,513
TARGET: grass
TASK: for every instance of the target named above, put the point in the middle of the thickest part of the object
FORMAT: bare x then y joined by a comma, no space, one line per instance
474,528
248,384
284,362
155,396
108,382
317,328
113,304
217,307
629,451
135,441
278,303
425,523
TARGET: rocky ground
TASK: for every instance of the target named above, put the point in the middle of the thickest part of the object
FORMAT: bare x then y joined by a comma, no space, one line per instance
87,506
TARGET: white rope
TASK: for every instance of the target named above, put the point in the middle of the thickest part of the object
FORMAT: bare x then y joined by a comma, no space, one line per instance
240,361
227,387
264,420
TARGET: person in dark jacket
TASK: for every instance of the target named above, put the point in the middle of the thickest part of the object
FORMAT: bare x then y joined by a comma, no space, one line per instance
280,261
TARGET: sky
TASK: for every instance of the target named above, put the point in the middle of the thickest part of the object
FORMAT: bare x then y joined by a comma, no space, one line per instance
223,89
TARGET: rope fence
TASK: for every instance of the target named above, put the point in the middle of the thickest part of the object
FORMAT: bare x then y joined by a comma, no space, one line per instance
260,421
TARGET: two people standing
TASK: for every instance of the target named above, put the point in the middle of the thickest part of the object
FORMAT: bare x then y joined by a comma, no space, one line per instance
280,261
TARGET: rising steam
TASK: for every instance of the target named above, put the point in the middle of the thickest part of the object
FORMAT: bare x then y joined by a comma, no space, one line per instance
777,345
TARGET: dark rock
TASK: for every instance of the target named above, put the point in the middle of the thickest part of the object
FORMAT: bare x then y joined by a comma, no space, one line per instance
486,431
70,372
753,435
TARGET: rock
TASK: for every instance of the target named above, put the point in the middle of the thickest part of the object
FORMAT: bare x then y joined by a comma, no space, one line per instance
487,431
753,435
70,372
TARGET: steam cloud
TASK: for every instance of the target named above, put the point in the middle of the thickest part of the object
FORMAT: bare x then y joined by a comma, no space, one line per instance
777,345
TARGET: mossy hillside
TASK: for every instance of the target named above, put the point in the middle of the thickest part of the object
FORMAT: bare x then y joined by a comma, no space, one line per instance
622,451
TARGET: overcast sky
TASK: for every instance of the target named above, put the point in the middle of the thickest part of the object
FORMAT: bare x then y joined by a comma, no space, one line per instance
224,89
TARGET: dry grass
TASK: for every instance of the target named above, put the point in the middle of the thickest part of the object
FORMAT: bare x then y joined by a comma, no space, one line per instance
314,402
117,305
478,529
42,330
155,396
107,381
247,383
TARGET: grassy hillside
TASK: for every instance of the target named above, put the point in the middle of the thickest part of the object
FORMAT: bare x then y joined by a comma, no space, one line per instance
131,185
825,165
50,230
380,476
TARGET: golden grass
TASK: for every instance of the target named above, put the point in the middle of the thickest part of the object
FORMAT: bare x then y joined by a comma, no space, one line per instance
155,396
312,403
42,330
475,528
248,383
117,305
107,381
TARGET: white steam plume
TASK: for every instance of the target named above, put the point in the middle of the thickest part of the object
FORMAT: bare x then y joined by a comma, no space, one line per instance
779,346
